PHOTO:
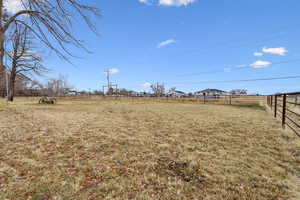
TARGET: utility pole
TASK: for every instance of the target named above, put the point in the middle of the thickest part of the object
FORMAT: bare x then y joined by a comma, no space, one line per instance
108,72
109,85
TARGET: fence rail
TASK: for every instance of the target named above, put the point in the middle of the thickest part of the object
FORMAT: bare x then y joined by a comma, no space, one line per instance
286,107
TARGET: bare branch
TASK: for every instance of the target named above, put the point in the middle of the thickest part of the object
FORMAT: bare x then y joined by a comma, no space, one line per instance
52,21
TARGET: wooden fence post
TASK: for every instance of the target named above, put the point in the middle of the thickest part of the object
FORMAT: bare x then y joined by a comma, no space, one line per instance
284,110
271,102
230,100
204,97
275,107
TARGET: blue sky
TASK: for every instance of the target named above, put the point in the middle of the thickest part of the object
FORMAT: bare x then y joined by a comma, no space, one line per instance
173,41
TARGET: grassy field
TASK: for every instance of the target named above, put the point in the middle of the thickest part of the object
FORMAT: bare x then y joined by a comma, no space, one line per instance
110,149
3,104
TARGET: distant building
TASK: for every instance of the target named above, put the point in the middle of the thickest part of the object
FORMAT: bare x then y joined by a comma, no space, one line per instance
20,84
239,92
145,94
211,93
176,94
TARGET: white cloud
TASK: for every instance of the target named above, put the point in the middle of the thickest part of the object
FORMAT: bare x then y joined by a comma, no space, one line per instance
261,64
146,85
282,51
13,6
144,1
241,66
258,54
166,42
169,2
113,71
175,2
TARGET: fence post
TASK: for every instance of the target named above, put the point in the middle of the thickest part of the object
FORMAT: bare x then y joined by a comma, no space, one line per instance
230,99
275,107
204,97
271,102
284,110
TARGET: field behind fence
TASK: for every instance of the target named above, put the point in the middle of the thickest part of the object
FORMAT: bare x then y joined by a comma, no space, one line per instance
221,100
285,107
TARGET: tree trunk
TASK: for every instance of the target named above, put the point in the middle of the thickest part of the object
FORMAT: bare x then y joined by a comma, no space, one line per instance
11,88
2,68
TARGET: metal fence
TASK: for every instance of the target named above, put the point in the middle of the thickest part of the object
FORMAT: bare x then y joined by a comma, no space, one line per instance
286,106
235,100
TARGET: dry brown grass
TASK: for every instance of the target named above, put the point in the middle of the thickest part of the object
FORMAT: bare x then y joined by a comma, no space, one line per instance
3,105
109,149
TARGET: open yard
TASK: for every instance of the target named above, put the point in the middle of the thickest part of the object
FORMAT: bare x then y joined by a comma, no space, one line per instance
110,149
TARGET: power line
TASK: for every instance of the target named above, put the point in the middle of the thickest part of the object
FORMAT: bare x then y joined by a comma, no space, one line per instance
243,80
276,34
232,43
234,69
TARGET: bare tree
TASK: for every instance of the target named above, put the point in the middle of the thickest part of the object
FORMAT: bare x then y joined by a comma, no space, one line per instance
172,90
158,89
126,92
24,57
58,86
238,92
50,21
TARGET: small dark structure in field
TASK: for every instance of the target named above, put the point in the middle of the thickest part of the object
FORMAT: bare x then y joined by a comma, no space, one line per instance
47,100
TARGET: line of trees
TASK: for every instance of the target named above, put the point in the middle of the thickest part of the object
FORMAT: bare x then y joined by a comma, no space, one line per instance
46,22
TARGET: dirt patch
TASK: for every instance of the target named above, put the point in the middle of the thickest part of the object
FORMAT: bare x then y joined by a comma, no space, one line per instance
183,170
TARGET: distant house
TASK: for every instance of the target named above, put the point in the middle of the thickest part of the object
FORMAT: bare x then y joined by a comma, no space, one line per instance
72,93
144,94
176,94
210,93
20,83
239,92
134,94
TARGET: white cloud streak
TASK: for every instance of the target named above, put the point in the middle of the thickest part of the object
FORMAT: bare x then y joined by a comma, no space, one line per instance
282,51
165,43
177,3
258,54
241,66
144,1
113,71
261,64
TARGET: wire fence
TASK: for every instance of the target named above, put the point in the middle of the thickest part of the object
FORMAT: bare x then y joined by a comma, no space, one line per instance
286,107
247,100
